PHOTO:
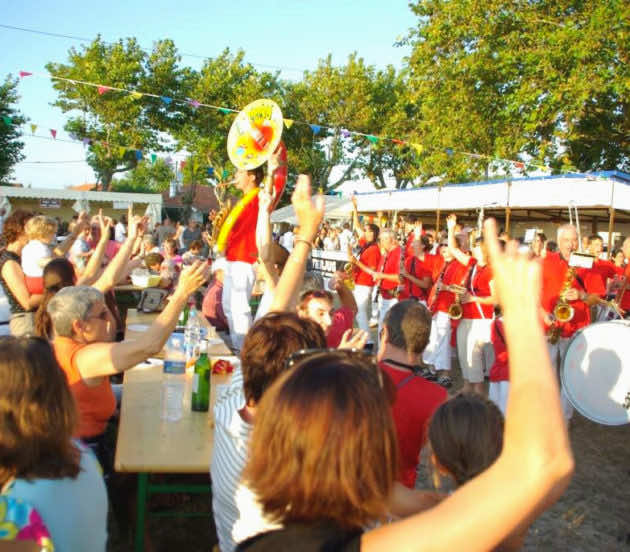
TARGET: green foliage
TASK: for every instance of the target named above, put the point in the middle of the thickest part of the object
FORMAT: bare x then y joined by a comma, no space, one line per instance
10,131
504,78
146,177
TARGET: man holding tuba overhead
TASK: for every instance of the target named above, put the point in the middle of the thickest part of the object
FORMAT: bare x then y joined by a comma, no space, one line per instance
566,295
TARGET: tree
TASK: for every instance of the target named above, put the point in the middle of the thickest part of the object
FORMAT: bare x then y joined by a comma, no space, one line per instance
118,124
10,131
146,177
548,81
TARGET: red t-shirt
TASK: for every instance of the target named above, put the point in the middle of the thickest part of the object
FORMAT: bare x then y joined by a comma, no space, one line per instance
603,271
418,268
625,299
554,271
390,264
454,274
480,284
415,403
500,370
370,257
342,320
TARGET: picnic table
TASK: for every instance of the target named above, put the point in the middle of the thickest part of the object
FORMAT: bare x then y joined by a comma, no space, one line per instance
147,444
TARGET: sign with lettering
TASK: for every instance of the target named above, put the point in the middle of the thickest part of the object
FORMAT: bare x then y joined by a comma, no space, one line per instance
327,262
49,203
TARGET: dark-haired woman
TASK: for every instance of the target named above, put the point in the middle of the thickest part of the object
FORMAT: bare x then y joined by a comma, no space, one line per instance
323,449
39,462
366,263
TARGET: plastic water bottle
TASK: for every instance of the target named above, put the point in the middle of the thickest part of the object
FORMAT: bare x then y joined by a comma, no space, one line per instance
192,337
173,379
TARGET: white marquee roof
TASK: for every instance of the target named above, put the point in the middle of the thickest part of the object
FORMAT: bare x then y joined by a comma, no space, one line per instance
69,194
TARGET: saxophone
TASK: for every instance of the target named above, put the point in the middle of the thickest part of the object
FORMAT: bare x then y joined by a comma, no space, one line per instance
562,311
218,218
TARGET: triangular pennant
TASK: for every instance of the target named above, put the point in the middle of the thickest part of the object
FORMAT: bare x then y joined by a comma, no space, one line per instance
399,142
194,103
225,174
121,151
418,147
139,155
54,133
136,95
166,100
102,90
288,123
225,110
210,171
315,128
153,158
373,139
86,141
168,160
345,133
519,165
182,164
33,128
25,74
7,120
449,152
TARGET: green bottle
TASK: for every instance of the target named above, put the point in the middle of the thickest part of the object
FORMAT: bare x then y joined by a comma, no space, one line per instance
201,380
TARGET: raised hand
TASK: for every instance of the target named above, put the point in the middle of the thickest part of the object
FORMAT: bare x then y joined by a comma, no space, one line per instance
193,277
308,211
353,339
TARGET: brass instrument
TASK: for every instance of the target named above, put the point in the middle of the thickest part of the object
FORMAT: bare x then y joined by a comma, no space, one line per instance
562,311
455,311
217,219
348,268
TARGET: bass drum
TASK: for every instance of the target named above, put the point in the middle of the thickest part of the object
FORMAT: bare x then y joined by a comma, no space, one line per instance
596,372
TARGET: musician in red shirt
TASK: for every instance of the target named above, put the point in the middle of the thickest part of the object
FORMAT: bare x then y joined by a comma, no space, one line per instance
580,291
241,252
366,262
418,272
388,276
442,296
416,233
473,330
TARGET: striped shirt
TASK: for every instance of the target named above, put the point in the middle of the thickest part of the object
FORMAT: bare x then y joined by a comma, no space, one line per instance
231,441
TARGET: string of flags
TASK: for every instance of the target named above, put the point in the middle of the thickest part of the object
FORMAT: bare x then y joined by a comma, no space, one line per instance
288,123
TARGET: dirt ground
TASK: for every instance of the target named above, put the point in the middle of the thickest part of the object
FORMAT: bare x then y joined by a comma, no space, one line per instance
592,516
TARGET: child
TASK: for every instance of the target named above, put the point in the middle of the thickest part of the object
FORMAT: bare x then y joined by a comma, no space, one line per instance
193,254
80,251
499,372
40,231
465,438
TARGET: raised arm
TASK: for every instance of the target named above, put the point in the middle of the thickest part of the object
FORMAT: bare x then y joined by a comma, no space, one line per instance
95,263
536,463
356,225
104,359
309,213
62,249
461,257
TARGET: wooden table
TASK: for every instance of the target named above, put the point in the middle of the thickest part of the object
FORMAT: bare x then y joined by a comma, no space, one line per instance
147,444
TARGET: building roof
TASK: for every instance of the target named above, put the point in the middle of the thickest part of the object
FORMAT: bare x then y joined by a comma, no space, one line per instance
70,194
205,199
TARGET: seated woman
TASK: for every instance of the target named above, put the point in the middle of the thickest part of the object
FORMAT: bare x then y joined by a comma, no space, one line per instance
323,452
83,333
39,462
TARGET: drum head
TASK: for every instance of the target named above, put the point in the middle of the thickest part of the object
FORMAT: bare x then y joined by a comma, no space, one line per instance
255,134
596,372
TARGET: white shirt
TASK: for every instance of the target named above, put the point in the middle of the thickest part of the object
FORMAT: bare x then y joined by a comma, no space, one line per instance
229,456
286,240
120,232
34,252
345,239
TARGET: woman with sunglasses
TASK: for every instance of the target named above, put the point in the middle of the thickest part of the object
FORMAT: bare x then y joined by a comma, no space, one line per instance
324,454
40,464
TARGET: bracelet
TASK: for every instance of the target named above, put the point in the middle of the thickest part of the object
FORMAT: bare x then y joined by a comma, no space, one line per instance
302,240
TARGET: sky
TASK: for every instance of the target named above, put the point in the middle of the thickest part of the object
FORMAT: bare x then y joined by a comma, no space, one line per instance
290,35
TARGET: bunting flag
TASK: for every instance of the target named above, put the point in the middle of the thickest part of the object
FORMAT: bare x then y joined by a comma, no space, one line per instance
139,155
519,165
398,142
315,128
194,103
288,123
7,120
25,74
345,133
210,172
153,158
418,147
86,141
121,151
33,128
166,100
225,174
53,132
168,160
102,89
182,164
449,152
373,139
225,110
136,95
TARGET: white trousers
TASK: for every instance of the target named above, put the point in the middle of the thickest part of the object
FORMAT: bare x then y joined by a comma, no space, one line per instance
237,291
438,351
385,305
498,393
557,352
472,335
363,298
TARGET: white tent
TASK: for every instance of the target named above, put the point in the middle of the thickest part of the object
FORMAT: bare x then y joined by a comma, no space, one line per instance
336,208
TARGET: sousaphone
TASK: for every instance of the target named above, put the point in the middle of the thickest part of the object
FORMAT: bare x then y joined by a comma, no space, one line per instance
254,136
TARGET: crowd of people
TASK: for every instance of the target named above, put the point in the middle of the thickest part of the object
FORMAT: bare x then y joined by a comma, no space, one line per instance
319,434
